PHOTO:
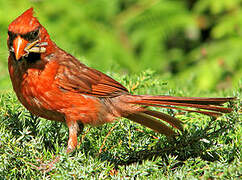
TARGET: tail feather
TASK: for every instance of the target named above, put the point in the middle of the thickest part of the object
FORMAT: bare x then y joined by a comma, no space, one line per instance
208,106
209,113
211,104
152,123
190,100
176,123
192,105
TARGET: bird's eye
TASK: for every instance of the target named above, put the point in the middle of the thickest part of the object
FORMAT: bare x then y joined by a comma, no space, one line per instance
31,36
34,34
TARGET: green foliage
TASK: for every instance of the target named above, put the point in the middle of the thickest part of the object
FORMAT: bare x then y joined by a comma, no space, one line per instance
190,48
206,149
182,38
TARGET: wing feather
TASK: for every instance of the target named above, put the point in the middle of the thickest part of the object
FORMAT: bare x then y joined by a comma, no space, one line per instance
74,76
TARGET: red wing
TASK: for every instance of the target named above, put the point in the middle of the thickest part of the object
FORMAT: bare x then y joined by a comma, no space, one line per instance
75,76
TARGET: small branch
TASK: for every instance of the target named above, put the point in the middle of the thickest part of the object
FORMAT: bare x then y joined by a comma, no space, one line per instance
100,150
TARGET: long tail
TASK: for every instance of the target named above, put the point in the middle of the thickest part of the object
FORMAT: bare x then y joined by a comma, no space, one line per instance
208,106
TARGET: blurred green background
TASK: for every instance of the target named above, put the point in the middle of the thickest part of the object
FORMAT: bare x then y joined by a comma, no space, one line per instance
195,40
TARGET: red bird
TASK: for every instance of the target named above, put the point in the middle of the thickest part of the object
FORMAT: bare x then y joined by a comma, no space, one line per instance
54,85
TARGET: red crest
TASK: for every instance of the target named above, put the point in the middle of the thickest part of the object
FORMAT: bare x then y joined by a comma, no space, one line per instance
25,23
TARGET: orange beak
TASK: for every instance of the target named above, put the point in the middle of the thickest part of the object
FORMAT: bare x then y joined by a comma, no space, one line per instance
19,45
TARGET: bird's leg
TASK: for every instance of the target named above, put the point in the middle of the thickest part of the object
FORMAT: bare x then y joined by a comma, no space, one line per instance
75,129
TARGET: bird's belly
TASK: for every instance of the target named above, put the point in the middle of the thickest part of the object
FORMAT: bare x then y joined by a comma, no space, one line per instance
87,109
44,98
39,99
39,105
54,104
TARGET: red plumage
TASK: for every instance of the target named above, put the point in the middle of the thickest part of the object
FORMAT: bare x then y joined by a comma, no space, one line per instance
54,85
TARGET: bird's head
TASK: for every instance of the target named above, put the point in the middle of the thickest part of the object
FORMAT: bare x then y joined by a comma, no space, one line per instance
26,36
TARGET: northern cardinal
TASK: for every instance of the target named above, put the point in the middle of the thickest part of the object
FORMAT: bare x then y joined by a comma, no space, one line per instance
54,85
